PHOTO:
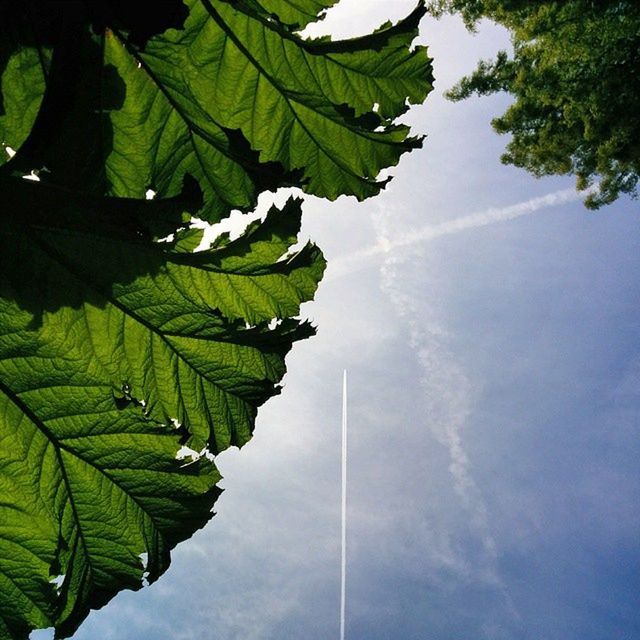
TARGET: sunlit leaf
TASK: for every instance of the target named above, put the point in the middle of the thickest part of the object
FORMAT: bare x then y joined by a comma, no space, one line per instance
324,110
149,349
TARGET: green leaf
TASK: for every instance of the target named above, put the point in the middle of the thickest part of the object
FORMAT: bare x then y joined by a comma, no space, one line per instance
87,487
297,13
324,110
156,142
22,91
24,62
149,349
293,13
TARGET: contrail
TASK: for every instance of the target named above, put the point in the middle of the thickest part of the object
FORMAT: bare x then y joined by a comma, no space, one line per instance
344,505
347,264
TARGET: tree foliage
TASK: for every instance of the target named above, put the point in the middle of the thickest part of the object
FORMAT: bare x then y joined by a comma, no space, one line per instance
575,78
128,358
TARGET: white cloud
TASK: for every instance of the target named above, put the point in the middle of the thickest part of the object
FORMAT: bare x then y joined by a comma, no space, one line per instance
448,400
447,393
353,261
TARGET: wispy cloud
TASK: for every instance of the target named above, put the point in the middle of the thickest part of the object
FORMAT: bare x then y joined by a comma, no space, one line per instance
356,260
448,395
447,399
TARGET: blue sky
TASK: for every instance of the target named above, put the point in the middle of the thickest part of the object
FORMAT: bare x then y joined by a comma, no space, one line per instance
490,327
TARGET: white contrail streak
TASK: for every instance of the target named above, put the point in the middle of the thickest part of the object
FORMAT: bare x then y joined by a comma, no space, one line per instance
353,261
344,505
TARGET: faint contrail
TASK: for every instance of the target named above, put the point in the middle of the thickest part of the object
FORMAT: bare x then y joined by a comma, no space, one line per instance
347,264
344,505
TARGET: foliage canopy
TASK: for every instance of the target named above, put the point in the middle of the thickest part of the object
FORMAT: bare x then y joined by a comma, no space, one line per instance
128,358
575,77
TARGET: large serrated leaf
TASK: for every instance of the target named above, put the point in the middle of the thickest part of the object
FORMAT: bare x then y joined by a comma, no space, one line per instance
324,109
87,485
147,339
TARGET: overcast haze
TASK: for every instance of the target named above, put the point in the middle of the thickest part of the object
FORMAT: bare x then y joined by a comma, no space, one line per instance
490,327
